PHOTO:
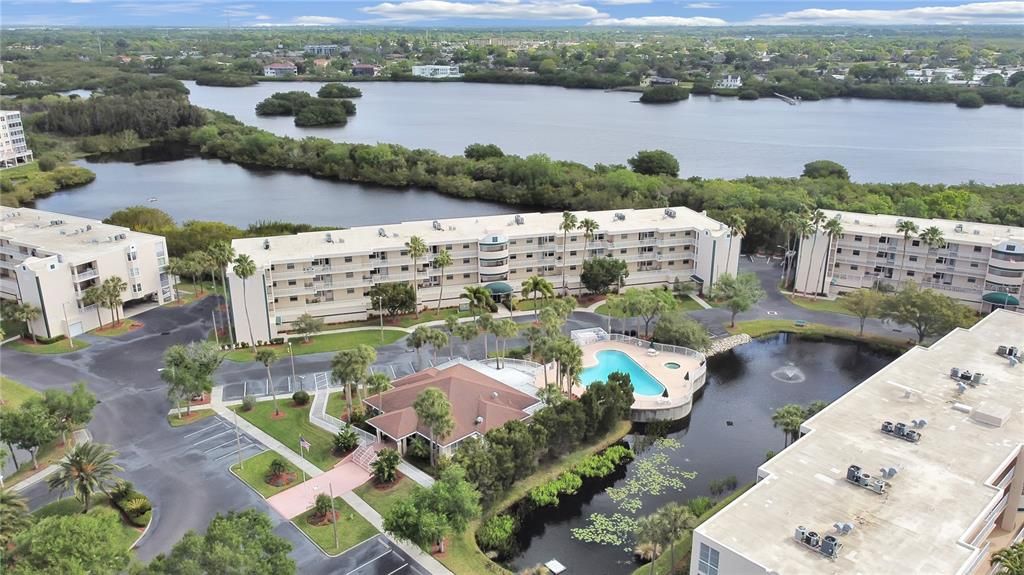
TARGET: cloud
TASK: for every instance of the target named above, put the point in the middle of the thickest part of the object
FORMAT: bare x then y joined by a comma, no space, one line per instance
158,9
703,5
413,10
661,21
623,2
300,21
81,1
1011,12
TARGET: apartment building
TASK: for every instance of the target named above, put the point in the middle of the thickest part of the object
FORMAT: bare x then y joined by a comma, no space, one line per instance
436,71
917,470
280,70
329,274
13,146
982,265
322,49
49,260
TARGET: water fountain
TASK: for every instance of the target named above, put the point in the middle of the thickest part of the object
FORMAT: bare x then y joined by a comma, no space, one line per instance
789,373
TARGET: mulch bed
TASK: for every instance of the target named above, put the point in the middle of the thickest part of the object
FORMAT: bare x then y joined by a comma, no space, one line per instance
201,401
325,519
389,486
281,480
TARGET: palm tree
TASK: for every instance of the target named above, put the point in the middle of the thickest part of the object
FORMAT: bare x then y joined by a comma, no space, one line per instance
378,383
908,229
479,298
467,332
676,520
435,412
589,226
537,285
932,237
27,313
451,323
533,334
791,224
817,218
833,229
737,227
651,530
483,323
417,339
223,254
1010,559
269,357
442,260
245,268
14,516
569,223
503,329
177,267
789,418
803,232
88,468
349,366
417,249
113,287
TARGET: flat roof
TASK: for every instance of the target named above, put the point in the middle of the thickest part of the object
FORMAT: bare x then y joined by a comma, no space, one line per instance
941,487
74,238
987,234
368,238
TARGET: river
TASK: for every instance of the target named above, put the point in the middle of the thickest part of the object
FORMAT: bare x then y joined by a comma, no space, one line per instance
728,434
877,140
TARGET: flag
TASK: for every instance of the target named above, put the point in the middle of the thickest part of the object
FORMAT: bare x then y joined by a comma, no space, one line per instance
303,443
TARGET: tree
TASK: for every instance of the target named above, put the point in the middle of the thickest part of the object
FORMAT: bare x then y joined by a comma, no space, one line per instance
142,219
88,468
676,520
394,298
737,227
789,418
537,286
927,311
825,169
435,412
28,428
416,340
677,328
466,332
417,249
651,533
738,293
833,230
94,296
14,516
654,163
244,269
69,410
385,466
932,237
242,542
442,260
114,287
483,152
188,371
349,366
647,304
75,544
969,100
664,94
479,299
378,383
908,229
223,255
269,357
451,323
429,515
1010,559
863,303
817,218
502,330
307,326
569,223
589,226
26,313
345,440
338,90
599,275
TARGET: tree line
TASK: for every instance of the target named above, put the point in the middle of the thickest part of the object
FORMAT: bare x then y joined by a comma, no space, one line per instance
308,110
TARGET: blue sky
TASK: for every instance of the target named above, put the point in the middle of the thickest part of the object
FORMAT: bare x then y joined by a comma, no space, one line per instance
506,13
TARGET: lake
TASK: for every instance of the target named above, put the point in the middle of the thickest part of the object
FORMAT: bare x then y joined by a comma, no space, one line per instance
728,433
877,140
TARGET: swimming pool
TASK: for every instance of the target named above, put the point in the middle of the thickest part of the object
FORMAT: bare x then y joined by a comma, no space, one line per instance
611,360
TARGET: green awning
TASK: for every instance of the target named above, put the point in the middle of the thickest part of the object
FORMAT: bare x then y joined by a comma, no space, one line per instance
1000,298
498,288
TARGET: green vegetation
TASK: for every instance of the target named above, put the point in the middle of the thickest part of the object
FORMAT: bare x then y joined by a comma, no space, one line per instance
326,343
197,415
121,328
308,111
59,346
836,305
26,183
14,394
352,528
815,331
63,539
287,429
664,94
338,91
382,499
254,472
677,328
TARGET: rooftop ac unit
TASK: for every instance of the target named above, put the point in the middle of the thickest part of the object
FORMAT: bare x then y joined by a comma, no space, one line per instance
438,226
382,232
266,244
620,216
520,220
670,212
959,228
330,240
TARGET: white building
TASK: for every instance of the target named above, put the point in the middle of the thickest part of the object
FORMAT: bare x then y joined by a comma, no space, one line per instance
729,82
982,265
49,260
13,147
322,49
955,497
329,274
436,71
280,70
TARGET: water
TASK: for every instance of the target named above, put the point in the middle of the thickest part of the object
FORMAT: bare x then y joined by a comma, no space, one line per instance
610,360
201,189
728,433
877,140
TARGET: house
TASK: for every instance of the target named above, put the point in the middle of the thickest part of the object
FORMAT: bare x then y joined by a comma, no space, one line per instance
365,70
479,403
658,81
280,70
730,82
321,63
436,71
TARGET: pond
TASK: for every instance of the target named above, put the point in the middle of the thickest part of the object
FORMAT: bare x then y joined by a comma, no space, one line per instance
728,434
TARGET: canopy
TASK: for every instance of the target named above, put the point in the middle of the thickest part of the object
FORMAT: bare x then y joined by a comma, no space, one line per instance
498,288
1000,298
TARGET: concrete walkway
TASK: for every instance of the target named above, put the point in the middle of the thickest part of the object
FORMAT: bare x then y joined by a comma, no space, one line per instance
264,438
370,514
80,436
296,500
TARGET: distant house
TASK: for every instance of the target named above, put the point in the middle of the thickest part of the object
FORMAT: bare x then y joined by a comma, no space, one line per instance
479,401
280,70
658,81
321,63
729,82
436,71
365,70
322,49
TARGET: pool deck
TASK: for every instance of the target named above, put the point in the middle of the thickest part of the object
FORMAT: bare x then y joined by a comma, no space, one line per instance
680,383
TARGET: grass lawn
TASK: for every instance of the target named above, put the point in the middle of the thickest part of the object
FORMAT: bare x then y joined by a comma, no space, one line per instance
825,305
114,330
683,304
197,415
287,429
13,394
384,499
50,453
189,292
254,470
352,529
761,327
527,304
57,347
336,404
98,505
326,343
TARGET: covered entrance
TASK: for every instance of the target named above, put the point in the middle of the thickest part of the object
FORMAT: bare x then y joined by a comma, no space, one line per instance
501,293
999,300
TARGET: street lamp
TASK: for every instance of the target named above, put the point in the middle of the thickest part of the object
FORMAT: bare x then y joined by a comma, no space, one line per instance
292,357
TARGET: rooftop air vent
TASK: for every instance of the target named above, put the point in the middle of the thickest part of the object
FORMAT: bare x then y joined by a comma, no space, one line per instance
901,431
959,228
494,395
976,231
620,216
88,228
670,212
266,244
382,232
438,226
330,240
479,419
856,476
520,220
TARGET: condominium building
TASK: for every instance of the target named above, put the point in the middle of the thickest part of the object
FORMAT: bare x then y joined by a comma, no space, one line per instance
13,147
280,70
917,470
322,49
49,260
982,265
436,71
329,274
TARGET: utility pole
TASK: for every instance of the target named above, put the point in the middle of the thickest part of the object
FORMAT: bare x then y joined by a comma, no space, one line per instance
238,443
213,314
380,314
67,324
292,356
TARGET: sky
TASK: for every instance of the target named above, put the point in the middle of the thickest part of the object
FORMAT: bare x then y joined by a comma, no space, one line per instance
505,13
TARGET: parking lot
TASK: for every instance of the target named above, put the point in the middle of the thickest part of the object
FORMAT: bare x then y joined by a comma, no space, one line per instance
217,440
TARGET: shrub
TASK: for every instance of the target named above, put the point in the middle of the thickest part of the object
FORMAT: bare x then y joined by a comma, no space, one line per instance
969,100
547,494
419,448
248,403
498,534
47,164
300,397
123,490
677,328
748,95
137,506
336,90
700,505
277,468
385,466
664,94
346,440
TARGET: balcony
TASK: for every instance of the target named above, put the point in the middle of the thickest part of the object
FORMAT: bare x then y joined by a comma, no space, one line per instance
86,275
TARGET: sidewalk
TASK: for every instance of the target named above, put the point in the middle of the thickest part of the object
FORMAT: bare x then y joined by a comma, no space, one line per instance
370,514
262,437
80,436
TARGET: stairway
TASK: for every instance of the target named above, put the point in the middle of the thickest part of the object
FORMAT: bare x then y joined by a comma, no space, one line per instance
365,455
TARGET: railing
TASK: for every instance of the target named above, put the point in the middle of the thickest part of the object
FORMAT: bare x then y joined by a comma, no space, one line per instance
659,346
87,275
524,365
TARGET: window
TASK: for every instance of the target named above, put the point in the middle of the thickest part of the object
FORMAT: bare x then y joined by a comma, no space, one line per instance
974,264
878,269
854,268
348,259
883,240
137,288
291,282
349,274
449,277
912,258
672,249
672,235
528,270
465,246
529,240
1010,248
977,249
465,260
856,252
350,290
572,267
839,250
622,251
294,298
572,252
915,243
971,280
858,238
465,276
405,268
880,255
910,274
133,255
290,266
707,563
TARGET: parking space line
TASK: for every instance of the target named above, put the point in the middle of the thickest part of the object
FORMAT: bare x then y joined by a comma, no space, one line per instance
212,437
237,451
382,555
404,565
226,443
218,423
